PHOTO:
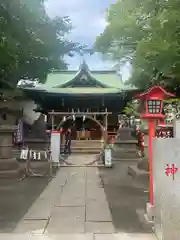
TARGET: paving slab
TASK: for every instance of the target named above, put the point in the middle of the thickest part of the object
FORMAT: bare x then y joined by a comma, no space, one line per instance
99,227
31,226
67,201
42,207
95,192
97,211
47,236
15,236
74,192
63,237
81,159
67,220
125,236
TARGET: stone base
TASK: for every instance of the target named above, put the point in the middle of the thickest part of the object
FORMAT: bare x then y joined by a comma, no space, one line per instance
150,212
146,224
9,168
143,164
56,164
135,172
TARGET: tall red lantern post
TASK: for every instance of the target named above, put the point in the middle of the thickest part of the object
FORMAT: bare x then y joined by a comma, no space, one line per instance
153,100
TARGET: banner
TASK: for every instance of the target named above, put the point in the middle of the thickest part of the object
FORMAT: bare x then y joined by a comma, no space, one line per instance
55,147
18,135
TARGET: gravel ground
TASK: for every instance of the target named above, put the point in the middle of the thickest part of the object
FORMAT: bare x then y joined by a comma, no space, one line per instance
16,198
125,195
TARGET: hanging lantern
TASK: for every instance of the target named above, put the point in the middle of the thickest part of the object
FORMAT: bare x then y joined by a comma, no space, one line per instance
73,117
64,119
84,118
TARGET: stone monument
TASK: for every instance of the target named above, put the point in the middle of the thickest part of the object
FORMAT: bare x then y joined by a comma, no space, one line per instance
166,178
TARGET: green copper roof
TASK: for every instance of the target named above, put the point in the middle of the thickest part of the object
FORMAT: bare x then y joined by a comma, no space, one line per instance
84,81
109,79
82,90
54,79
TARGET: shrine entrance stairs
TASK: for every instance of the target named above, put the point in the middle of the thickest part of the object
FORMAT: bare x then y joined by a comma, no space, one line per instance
86,146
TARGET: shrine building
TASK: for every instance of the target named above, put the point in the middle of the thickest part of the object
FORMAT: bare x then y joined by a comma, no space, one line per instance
88,102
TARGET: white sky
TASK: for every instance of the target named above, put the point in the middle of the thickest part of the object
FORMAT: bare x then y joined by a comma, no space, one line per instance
88,19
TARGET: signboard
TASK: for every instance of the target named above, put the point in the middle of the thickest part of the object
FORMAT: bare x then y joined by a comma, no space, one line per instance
18,135
108,158
164,132
55,147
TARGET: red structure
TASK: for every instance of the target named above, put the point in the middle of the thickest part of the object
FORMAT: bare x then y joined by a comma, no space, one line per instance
153,100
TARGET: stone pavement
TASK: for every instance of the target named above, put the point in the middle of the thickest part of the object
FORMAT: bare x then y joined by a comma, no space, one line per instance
82,159
85,236
73,206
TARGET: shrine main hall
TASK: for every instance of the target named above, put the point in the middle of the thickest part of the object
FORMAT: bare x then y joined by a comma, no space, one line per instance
88,101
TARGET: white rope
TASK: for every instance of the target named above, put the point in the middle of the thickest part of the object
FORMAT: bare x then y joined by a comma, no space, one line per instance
24,154
29,155
34,154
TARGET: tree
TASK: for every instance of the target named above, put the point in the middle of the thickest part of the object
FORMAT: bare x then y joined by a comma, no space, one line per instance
31,43
146,33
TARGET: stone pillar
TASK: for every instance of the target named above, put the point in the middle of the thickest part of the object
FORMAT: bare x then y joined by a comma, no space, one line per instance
9,166
166,188
176,129
105,137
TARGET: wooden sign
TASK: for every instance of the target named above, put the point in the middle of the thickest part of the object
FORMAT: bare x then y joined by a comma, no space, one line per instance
164,133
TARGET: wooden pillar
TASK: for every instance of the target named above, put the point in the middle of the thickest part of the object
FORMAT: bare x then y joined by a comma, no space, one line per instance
52,121
105,128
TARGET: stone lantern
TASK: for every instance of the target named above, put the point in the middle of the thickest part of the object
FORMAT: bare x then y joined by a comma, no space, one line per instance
9,166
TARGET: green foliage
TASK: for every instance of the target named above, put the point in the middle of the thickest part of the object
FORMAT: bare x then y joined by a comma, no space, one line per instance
146,33
132,109
31,43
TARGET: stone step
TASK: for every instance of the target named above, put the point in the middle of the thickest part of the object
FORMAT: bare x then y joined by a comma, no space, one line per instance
125,146
122,150
126,149
86,151
85,141
10,174
126,159
124,141
125,155
85,147
9,164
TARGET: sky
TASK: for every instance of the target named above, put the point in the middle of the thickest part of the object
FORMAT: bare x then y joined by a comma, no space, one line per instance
88,20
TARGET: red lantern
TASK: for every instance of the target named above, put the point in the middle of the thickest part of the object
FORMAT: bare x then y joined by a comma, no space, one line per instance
153,100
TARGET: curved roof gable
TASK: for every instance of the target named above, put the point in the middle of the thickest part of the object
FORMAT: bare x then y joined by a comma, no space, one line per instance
104,79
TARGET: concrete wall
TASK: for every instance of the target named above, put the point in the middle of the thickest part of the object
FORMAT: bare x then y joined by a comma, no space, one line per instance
166,190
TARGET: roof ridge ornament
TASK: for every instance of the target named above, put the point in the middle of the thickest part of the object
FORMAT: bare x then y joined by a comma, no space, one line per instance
84,65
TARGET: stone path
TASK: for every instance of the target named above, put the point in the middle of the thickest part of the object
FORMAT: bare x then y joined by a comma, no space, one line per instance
80,160
73,206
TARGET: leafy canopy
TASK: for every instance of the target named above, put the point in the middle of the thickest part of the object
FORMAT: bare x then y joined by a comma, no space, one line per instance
146,33
31,43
